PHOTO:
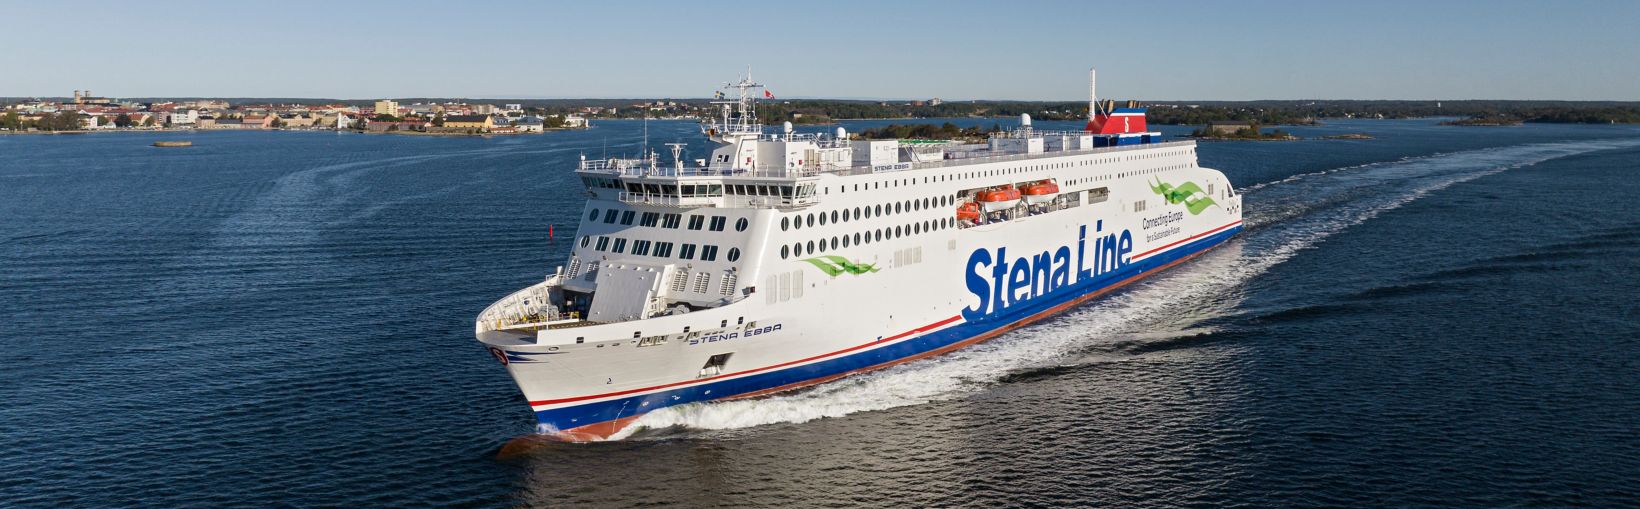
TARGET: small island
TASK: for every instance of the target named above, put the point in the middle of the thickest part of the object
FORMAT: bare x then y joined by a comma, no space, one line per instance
1237,130
1484,121
1348,136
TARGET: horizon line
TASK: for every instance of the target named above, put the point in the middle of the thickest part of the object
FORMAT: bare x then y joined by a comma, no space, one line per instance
800,98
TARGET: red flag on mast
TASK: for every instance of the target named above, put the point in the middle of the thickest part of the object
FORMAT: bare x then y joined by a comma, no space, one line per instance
767,94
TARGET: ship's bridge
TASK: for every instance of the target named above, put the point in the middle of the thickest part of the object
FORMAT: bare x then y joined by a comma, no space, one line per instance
643,182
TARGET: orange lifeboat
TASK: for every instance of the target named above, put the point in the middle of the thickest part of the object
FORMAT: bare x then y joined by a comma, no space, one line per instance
999,198
1041,192
968,211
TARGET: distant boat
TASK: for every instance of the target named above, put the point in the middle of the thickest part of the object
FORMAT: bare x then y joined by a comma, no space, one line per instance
173,144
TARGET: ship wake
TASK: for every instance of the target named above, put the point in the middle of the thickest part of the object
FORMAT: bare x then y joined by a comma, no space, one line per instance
1283,219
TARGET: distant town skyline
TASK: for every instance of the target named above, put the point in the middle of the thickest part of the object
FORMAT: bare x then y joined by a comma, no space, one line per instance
1189,50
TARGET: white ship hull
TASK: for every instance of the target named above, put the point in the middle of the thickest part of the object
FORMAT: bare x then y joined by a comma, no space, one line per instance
831,311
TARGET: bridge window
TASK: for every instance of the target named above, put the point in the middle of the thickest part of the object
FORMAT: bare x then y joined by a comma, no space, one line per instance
718,222
649,219
663,249
671,220
603,243
686,251
696,222
626,217
609,216
640,247
708,253
620,245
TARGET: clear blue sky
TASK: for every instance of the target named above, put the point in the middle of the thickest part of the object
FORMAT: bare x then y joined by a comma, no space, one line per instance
1154,50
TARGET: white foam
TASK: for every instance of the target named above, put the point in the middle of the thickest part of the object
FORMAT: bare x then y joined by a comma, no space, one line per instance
1335,204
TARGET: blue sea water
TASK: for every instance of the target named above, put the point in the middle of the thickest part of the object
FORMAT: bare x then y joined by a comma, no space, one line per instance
1441,316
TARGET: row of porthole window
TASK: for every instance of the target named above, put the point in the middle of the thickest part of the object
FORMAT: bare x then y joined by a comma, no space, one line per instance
862,238
667,220
686,251
867,212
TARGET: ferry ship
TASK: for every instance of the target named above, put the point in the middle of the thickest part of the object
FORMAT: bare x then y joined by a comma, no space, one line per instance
789,259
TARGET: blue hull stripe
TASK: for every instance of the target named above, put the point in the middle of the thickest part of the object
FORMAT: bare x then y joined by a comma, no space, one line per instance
566,418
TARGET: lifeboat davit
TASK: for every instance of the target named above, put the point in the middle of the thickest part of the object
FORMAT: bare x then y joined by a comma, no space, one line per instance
968,210
1041,192
1001,198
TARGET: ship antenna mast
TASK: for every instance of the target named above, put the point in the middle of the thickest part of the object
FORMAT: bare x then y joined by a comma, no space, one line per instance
677,155
746,106
1093,97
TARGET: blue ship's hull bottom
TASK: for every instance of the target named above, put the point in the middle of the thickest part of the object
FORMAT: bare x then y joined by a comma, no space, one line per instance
599,420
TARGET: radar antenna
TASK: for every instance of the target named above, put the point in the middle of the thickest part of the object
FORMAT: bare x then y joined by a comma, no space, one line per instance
677,155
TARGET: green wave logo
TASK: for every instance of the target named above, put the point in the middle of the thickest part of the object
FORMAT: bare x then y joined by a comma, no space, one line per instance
836,265
1185,193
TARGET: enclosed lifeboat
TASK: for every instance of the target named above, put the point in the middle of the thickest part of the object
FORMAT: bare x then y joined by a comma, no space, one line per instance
968,211
1041,192
998,198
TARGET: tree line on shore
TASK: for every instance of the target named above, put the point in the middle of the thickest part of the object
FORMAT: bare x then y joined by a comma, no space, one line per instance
1199,113
946,131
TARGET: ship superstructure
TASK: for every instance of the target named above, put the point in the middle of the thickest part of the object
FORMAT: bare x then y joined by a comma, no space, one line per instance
786,259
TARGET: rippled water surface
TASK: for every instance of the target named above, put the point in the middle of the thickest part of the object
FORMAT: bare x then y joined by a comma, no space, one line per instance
1440,316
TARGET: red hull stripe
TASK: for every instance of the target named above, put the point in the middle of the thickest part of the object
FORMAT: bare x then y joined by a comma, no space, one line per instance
602,430
918,330
1181,241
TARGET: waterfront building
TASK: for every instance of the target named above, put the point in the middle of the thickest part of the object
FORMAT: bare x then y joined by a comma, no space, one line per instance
185,117
530,124
387,107
478,122
258,121
383,127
